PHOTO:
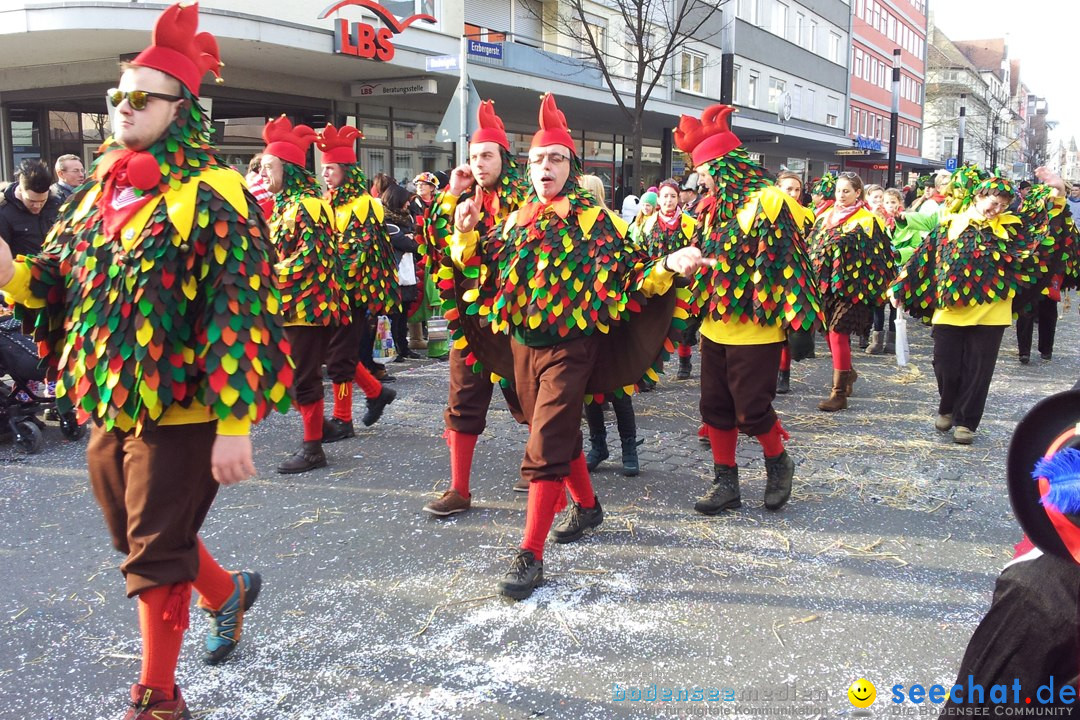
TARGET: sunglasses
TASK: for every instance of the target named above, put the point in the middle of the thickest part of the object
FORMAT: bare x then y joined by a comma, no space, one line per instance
136,98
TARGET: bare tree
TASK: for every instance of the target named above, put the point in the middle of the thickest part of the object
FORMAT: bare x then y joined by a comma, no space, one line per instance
634,60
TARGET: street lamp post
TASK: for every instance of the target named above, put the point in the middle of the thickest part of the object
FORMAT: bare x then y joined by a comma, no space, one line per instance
963,126
894,119
993,145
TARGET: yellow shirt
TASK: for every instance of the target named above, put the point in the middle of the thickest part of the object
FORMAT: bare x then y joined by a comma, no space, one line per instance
998,312
723,332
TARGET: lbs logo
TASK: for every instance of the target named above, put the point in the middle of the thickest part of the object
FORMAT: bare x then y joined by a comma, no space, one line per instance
363,40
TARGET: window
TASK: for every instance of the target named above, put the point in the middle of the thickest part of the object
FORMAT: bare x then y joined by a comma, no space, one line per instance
748,11
736,80
948,147
808,105
751,90
832,111
892,28
854,121
800,28
691,72
812,45
779,19
867,68
857,62
776,89
834,47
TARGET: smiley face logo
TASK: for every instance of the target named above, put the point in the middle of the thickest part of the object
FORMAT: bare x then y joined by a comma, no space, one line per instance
862,693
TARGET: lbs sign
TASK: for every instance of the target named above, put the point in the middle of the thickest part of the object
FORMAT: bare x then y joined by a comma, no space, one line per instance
363,40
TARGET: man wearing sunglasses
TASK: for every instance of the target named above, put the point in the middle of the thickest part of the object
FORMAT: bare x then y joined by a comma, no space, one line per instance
154,299
564,281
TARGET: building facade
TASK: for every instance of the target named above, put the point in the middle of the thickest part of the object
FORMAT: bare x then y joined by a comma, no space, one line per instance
878,28
784,67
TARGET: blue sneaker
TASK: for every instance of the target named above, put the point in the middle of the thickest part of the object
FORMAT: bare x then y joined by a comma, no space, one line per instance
227,622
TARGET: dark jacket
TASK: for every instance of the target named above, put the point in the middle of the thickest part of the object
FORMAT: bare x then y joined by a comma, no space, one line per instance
404,241
23,230
61,191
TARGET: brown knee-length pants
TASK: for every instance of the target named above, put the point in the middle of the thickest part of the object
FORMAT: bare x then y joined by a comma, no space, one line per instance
738,385
550,383
155,490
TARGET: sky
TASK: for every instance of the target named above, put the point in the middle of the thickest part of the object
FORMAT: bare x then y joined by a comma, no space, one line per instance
1042,34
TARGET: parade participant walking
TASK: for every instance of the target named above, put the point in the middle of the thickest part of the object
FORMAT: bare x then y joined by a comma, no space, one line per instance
621,405
369,279
890,210
854,262
494,178
154,301
963,279
558,322
667,230
791,184
761,286
304,232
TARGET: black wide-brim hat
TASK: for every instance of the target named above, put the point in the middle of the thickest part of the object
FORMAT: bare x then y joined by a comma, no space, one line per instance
1033,436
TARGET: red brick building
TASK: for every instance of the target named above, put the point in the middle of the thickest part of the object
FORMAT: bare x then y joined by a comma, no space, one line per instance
878,27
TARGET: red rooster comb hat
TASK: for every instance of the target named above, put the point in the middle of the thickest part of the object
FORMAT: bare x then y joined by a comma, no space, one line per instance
490,126
287,142
178,50
709,138
338,145
553,129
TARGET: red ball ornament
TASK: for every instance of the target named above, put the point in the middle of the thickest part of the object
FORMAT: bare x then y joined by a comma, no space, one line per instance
143,171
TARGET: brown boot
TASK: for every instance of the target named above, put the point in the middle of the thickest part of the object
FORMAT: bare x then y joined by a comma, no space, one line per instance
838,399
849,382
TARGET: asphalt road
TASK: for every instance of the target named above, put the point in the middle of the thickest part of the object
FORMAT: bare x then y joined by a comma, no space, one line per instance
880,566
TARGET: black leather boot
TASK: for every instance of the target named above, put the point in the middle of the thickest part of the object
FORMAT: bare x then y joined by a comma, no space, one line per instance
685,368
630,464
723,494
779,472
334,430
598,451
783,382
376,405
309,457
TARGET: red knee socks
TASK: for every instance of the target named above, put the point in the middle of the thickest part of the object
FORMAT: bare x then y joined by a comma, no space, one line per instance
840,346
685,350
461,447
213,583
579,483
312,415
723,444
772,442
545,497
162,636
785,357
367,382
343,401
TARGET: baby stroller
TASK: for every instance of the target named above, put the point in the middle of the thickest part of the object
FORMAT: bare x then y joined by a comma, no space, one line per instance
20,403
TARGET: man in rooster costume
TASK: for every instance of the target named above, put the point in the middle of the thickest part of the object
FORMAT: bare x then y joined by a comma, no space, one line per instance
154,301
564,284
369,278
761,286
493,177
304,231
